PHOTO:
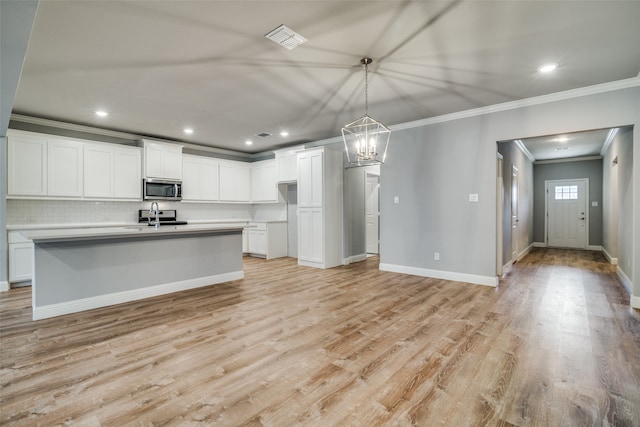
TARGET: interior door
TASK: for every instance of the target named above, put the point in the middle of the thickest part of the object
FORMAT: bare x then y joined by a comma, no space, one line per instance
514,213
372,213
566,213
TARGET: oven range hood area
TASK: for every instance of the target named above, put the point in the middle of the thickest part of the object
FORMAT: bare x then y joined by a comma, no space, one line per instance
167,217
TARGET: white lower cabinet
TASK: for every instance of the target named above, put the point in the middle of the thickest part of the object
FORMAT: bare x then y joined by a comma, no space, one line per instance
268,239
310,235
20,257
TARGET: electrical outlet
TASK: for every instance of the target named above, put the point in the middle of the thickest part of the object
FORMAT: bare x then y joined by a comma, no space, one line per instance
436,256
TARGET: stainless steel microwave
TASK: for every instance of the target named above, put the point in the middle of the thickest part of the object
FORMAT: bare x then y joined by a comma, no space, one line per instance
161,189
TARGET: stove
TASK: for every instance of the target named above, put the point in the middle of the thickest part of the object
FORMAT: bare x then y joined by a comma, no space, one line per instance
167,217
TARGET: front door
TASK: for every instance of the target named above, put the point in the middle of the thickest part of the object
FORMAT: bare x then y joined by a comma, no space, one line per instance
566,213
372,213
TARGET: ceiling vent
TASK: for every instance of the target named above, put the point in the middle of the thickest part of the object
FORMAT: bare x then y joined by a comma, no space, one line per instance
286,37
263,134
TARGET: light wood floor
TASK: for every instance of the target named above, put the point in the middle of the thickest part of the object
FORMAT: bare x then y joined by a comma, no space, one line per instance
555,344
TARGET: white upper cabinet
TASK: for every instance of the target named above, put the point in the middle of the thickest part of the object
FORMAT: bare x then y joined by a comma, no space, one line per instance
200,178
98,171
310,178
128,173
112,171
235,181
46,166
27,164
64,168
264,186
162,160
287,165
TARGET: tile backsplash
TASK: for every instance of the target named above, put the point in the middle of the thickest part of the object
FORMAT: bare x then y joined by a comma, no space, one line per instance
50,212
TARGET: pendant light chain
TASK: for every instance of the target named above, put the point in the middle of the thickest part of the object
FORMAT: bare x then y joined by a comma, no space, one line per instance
366,88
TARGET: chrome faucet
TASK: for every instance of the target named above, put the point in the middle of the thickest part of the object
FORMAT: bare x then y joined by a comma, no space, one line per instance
157,221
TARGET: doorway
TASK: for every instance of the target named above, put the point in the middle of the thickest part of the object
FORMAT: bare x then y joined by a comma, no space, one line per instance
566,216
372,213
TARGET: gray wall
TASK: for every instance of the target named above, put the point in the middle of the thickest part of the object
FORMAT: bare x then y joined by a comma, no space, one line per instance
591,169
513,156
619,200
432,166
16,21
433,169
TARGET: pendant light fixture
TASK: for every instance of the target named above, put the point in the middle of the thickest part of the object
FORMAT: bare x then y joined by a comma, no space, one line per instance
366,139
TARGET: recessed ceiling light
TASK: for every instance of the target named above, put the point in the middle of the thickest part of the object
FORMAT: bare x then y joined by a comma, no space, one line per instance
284,133
188,130
562,139
101,113
547,68
248,142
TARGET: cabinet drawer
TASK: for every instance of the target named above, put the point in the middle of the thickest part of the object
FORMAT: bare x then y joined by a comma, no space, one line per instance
258,225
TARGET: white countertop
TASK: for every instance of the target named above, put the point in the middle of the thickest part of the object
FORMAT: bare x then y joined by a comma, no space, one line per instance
24,227
129,231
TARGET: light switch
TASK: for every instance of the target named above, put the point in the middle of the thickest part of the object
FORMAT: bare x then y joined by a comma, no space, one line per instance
473,197
594,204
396,199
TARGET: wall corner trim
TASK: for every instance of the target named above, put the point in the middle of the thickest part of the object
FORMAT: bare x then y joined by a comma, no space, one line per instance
4,286
439,274
539,245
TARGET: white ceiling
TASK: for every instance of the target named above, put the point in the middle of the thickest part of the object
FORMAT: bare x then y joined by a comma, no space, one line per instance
160,66
569,145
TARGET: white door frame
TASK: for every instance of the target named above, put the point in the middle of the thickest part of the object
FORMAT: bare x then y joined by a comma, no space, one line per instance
366,178
547,184
515,219
499,207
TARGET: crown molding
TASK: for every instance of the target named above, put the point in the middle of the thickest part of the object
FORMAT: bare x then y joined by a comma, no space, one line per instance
524,150
567,160
133,137
527,102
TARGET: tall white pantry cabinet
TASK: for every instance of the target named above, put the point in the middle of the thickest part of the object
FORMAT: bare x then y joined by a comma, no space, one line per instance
320,207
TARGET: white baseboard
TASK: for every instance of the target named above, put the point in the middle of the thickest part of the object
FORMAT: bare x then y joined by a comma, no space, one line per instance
539,245
354,258
84,304
524,252
594,248
4,286
635,301
611,259
626,282
438,274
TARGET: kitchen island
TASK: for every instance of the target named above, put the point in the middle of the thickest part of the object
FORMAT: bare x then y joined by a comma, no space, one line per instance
86,268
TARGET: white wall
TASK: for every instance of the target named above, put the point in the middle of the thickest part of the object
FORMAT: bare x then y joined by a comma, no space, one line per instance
60,212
